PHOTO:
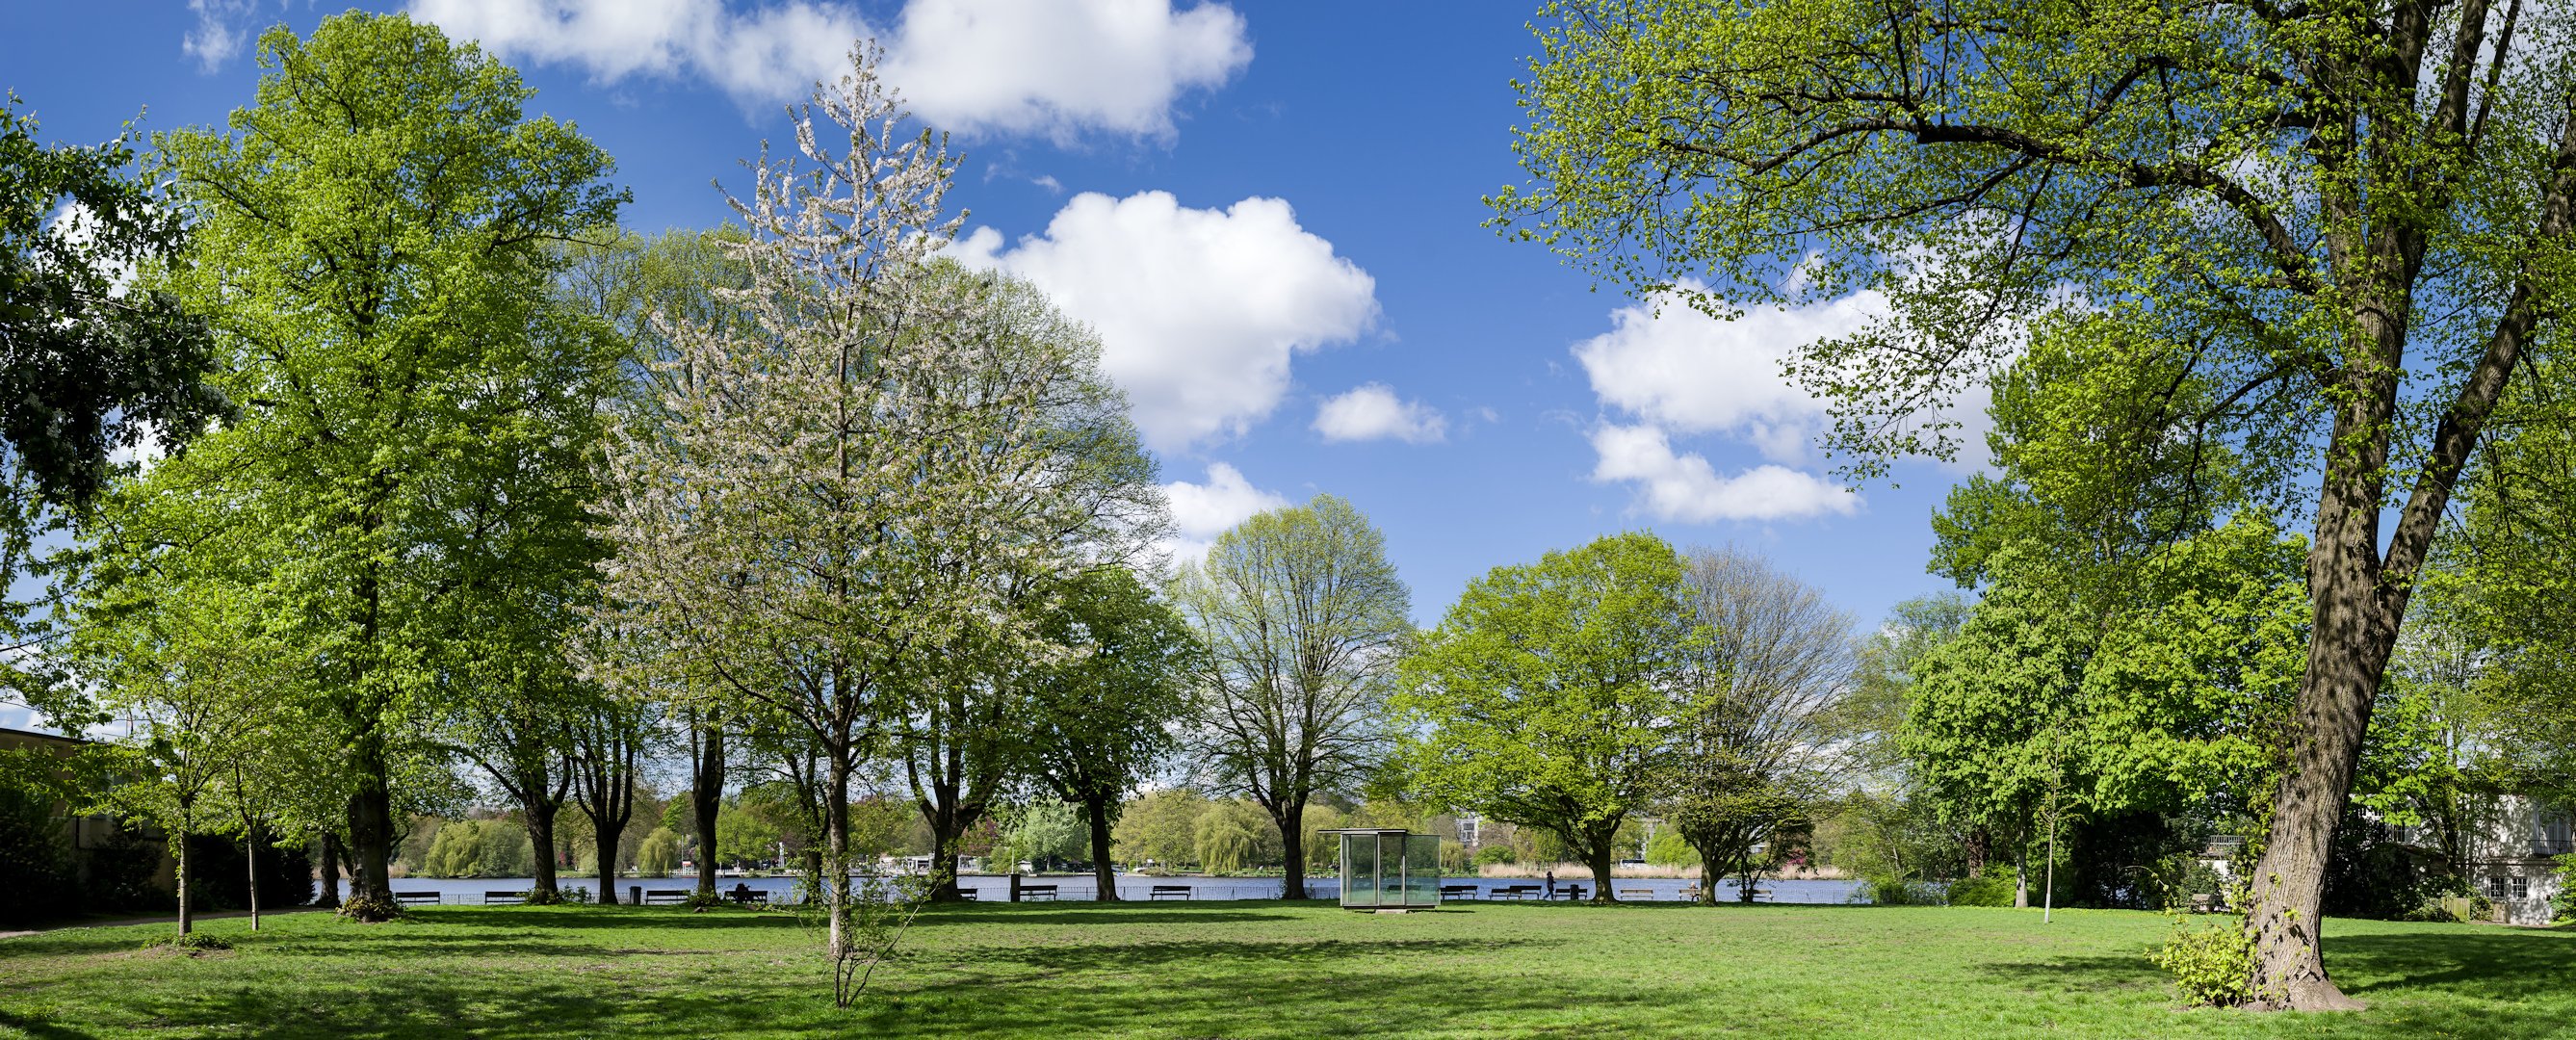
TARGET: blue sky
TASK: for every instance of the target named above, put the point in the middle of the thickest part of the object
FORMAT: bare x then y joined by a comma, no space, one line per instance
1271,212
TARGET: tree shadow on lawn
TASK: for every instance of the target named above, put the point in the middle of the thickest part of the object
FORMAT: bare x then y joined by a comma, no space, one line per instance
595,917
2467,983
1124,912
1131,956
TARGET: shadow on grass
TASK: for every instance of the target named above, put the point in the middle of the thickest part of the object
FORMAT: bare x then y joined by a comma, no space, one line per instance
1129,956
2479,977
599,917
1119,913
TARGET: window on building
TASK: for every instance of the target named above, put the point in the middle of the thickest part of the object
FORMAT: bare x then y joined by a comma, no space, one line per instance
2554,834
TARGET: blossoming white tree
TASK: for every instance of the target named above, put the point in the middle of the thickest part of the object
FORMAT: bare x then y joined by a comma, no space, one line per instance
845,495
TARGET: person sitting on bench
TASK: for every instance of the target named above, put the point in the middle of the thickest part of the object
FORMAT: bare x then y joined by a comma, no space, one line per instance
741,892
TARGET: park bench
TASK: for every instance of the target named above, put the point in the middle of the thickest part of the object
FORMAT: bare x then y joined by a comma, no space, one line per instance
491,898
1033,893
1169,892
1636,893
747,898
1571,893
415,898
665,896
1514,892
1457,891
1690,894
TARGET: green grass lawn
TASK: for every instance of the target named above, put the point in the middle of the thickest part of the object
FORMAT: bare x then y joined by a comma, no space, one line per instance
1253,970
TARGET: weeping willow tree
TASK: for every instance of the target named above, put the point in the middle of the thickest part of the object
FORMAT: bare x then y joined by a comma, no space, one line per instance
2354,216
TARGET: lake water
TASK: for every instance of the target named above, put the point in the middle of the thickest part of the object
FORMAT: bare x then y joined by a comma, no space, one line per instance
469,891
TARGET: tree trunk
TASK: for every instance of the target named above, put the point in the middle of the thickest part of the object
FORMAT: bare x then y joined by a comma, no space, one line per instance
540,823
945,836
371,843
1977,845
1599,853
250,849
2021,876
707,798
2344,666
2351,637
1104,873
187,910
608,863
1292,841
330,868
832,880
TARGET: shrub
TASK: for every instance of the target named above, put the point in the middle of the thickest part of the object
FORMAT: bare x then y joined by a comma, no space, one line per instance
36,873
370,910
2213,966
1992,888
191,943
2456,907
1897,890
1496,855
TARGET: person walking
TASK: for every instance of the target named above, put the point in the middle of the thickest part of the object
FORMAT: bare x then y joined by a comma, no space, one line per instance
1551,884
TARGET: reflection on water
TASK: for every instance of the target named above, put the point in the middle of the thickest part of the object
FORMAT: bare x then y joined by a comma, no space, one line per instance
1139,887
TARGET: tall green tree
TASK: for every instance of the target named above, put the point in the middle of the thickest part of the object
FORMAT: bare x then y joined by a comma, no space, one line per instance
2355,218
370,247
91,363
1104,721
1303,620
1551,692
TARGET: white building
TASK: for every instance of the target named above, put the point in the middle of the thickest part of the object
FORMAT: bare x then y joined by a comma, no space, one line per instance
2513,860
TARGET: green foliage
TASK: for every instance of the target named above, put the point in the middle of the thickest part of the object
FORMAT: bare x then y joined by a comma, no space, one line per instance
1499,855
1040,832
1896,890
2213,965
37,875
1104,721
1992,888
1544,697
419,416
2172,704
1302,619
191,943
659,854
1233,835
1160,826
1669,850
94,365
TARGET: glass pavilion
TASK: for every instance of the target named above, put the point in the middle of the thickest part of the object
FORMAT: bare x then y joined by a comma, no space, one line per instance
1389,869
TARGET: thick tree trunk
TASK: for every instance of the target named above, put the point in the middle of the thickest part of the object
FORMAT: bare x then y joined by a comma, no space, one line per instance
706,798
2346,656
1292,841
1599,856
1977,847
371,841
539,819
1104,874
2348,647
945,836
607,846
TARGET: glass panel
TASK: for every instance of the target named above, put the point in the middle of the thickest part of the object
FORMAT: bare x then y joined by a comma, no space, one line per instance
1359,887
1422,870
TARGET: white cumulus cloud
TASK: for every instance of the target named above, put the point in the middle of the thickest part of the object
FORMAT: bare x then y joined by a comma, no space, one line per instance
1201,512
1199,310
1053,67
1371,412
1684,487
1691,373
